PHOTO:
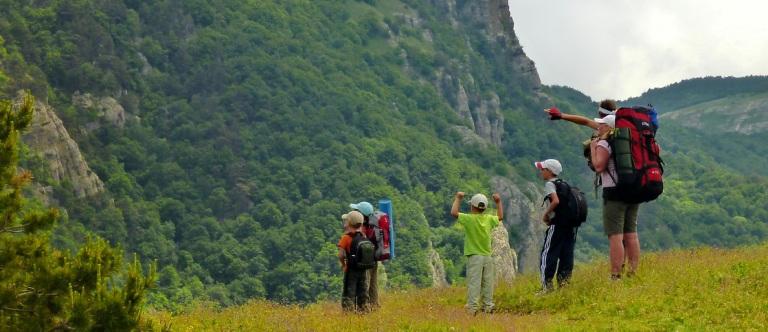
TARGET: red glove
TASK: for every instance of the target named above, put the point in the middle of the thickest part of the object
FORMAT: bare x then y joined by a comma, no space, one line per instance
554,113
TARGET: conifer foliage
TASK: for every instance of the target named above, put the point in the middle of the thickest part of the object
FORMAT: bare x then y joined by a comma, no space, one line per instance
42,288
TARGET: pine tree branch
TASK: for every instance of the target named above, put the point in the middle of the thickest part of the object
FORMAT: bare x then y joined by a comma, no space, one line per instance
12,229
17,310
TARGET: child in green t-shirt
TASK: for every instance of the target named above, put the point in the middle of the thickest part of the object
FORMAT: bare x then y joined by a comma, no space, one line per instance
477,228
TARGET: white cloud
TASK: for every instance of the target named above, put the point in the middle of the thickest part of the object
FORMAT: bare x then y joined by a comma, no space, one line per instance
620,48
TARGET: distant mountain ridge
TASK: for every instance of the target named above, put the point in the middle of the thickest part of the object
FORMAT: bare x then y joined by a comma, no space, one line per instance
699,90
742,113
713,104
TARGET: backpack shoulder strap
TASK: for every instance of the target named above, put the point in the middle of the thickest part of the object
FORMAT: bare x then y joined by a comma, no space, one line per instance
565,189
610,141
357,235
546,198
560,183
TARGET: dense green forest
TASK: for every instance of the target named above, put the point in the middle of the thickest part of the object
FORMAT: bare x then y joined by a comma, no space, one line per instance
46,289
253,124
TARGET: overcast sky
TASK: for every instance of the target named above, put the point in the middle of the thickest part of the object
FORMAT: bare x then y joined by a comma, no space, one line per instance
621,48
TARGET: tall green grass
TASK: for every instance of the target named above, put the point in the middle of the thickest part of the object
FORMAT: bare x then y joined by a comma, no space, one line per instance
684,290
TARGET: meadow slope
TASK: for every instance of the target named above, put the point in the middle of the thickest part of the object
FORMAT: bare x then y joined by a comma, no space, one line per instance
695,289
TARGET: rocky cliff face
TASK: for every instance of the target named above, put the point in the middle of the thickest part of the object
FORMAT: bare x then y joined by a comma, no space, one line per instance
521,215
481,109
106,108
436,268
48,136
494,19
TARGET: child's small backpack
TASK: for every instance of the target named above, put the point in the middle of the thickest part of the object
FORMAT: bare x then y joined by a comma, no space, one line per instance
361,255
379,222
572,210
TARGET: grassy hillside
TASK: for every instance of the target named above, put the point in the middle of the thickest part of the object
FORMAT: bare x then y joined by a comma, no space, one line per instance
696,289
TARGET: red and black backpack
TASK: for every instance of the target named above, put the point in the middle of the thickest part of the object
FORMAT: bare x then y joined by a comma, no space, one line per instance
636,155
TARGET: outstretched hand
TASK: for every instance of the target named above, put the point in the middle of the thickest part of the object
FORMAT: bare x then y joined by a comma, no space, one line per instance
554,113
496,198
460,195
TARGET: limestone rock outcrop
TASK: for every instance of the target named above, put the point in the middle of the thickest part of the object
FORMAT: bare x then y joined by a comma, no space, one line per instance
504,256
436,268
106,108
48,136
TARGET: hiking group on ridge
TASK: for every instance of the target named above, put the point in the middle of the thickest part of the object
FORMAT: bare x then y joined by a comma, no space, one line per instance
622,152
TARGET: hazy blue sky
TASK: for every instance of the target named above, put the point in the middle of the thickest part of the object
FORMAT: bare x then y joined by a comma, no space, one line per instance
620,48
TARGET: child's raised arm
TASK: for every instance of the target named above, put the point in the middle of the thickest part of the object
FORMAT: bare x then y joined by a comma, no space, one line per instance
499,207
456,203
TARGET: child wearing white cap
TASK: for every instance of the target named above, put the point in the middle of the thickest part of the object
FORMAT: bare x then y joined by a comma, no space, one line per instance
560,237
477,228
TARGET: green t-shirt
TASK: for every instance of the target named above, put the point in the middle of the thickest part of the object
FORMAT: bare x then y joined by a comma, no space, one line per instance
477,232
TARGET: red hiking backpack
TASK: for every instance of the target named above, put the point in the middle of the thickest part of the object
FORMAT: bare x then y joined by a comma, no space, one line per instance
636,155
379,223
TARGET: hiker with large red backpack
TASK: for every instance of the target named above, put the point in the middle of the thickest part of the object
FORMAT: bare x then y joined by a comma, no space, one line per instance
625,156
376,228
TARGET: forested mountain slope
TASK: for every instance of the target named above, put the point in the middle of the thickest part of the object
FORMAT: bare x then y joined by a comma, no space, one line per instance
247,128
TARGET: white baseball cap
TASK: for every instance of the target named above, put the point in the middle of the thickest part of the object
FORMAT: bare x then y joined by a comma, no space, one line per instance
550,164
604,112
610,120
479,201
